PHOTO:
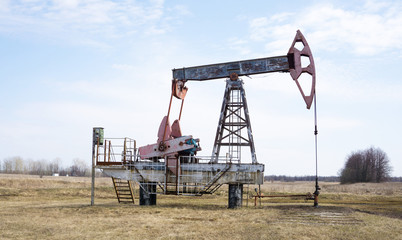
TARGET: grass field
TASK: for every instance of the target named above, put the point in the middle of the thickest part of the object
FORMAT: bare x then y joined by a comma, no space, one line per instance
59,208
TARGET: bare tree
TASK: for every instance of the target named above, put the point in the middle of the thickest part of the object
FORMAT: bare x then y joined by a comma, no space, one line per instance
38,167
8,165
18,165
56,165
370,165
13,165
351,171
382,166
79,168
53,166
44,167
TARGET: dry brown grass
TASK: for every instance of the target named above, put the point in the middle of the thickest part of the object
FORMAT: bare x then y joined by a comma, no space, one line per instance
381,199
58,208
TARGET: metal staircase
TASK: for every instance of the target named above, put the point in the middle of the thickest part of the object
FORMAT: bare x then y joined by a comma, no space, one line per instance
211,186
124,190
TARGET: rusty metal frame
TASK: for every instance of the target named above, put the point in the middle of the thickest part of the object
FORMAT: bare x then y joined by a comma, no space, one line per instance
229,108
288,63
241,68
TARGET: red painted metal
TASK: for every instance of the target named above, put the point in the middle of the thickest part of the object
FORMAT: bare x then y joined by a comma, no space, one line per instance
178,89
164,130
170,141
171,147
297,69
176,131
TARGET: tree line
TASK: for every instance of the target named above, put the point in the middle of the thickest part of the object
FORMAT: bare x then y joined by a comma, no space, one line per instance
370,165
284,178
44,167
311,178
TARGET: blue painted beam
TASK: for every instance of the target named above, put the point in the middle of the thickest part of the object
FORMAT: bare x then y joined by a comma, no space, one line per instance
223,70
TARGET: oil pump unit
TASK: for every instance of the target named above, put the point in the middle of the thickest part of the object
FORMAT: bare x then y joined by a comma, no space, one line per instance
171,164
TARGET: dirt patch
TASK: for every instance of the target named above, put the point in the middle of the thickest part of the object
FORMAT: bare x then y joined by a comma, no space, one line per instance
325,215
381,212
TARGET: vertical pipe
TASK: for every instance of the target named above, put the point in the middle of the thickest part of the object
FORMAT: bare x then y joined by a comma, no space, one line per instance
104,151
135,150
93,168
166,174
177,175
124,151
93,175
110,148
317,188
97,149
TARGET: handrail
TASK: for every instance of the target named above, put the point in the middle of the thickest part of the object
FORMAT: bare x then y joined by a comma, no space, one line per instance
107,156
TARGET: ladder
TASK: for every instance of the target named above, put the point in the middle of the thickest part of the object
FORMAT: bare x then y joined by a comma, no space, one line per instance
124,190
211,186
234,124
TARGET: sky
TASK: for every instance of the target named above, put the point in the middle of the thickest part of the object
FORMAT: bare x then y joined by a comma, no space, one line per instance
67,66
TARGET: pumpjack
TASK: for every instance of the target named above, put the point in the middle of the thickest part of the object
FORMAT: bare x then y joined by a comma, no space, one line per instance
171,165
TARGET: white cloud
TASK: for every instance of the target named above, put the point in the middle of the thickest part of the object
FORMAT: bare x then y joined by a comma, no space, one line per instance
66,3
4,5
338,123
155,30
239,45
180,10
370,30
343,83
259,28
95,21
374,6
122,66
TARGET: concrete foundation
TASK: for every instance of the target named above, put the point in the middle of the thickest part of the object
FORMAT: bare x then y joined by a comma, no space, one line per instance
235,195
148,197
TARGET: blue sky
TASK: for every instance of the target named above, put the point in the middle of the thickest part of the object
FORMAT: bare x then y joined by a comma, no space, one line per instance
67,66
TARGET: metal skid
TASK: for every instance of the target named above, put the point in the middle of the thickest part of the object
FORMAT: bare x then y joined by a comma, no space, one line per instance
194,176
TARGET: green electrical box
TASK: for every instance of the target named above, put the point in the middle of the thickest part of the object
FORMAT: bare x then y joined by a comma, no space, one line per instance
98,136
